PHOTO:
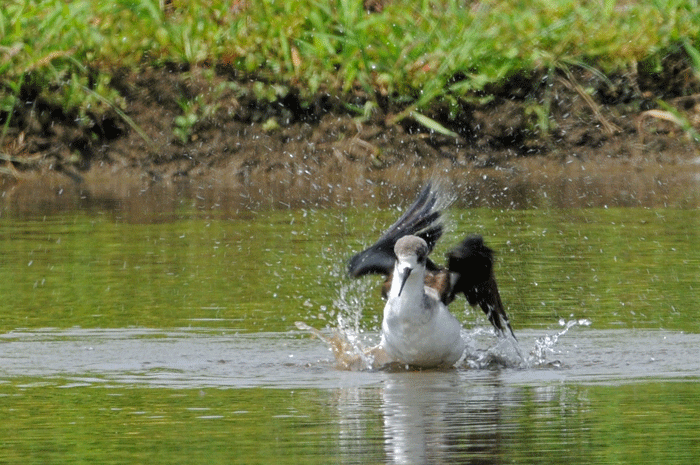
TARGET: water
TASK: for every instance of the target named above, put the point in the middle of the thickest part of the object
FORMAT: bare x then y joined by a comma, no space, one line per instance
134,335
190,359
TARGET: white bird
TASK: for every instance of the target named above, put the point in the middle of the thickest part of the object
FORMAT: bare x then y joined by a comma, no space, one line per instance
418,329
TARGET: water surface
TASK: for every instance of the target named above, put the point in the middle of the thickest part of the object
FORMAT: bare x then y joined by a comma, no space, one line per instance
161,337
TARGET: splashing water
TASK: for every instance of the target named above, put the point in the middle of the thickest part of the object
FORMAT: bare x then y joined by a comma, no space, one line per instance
355,349
545,344
349,350
505,352
354,341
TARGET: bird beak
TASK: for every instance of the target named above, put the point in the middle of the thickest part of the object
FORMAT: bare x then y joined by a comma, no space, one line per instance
404,277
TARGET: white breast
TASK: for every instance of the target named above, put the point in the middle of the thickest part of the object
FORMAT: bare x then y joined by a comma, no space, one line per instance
421,332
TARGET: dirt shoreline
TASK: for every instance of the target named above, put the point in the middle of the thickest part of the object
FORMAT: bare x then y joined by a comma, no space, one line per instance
253,155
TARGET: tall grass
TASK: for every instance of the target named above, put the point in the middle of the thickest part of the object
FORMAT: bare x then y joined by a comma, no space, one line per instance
413,54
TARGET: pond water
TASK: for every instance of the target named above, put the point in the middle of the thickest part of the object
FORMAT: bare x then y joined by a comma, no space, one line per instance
136,334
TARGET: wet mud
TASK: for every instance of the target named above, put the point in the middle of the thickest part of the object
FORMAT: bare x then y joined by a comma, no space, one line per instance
607,142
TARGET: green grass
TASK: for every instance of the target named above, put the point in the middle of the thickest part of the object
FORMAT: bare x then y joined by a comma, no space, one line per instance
411,57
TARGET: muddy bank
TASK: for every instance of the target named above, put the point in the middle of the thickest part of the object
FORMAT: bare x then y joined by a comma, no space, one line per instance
600,148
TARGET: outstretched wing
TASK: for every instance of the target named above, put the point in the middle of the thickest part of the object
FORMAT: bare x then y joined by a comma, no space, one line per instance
421,219
472,263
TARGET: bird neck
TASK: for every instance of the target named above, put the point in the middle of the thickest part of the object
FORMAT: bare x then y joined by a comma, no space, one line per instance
414,287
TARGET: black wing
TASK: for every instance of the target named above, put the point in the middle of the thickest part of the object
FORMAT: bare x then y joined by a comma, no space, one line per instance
421,219
472,262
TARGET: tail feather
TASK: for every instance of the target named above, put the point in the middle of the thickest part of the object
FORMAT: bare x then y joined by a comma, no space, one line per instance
422,219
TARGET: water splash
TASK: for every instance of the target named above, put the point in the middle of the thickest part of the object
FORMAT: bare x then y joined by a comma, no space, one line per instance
486,350
350,351
355,347
545,345
350,344
507,352
357,350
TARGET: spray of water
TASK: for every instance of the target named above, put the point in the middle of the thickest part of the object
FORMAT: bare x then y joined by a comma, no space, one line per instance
353,347
354,340
357,350
544,345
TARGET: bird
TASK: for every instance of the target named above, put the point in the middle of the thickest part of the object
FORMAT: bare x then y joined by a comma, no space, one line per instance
417,327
